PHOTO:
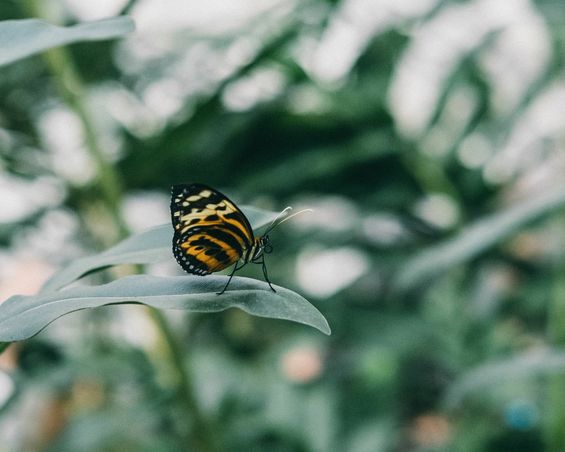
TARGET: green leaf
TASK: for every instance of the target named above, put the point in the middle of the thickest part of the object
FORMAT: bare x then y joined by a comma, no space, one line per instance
476,238
147,247
488,376
24,316
22,38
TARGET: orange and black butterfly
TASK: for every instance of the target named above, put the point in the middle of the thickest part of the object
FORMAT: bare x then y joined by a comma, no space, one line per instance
211,233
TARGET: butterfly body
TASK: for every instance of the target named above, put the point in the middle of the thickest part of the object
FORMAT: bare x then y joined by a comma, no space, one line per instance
211,232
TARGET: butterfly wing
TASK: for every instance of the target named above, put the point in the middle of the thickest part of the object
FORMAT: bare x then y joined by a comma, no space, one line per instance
210,232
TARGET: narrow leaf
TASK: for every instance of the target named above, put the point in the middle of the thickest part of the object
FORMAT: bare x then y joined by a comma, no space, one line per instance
24,316
147,247
530,364
22,38
476,239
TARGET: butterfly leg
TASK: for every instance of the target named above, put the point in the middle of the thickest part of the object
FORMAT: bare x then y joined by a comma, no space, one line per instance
235,268
265,274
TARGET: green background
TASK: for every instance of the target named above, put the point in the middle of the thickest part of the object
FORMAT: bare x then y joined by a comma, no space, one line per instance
428,137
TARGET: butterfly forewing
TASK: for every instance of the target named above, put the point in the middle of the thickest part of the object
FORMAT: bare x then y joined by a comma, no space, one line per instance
210,232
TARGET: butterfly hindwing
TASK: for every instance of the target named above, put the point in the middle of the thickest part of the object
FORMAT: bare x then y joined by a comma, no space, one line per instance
210,232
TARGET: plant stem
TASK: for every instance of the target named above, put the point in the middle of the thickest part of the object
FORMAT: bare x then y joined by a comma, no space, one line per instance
202,438
71,90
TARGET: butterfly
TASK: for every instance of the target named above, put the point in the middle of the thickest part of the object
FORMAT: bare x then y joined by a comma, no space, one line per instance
211,233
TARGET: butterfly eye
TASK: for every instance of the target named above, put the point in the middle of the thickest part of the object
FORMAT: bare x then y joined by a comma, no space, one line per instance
268,248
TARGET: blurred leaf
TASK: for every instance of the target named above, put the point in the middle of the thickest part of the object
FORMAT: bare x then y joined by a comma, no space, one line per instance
476,238
22,38
372,436
23,316
103,430
536,363
147,247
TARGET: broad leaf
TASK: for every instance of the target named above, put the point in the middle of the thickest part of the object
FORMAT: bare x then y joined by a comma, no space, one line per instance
24,316
153,245
22,38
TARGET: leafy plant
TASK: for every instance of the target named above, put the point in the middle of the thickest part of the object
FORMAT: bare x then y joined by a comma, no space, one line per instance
22,317
428,138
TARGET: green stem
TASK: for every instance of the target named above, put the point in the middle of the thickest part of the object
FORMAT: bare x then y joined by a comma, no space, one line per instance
555,411
202,438
71,90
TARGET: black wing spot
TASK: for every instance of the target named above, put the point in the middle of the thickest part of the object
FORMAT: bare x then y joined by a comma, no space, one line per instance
222,256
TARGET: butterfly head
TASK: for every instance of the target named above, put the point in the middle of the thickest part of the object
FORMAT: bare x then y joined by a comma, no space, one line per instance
261,246
265,243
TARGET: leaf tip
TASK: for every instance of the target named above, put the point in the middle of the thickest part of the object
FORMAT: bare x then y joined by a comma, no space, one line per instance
325,328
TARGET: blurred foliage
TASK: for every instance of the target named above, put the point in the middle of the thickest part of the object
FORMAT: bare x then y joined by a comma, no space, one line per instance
446,123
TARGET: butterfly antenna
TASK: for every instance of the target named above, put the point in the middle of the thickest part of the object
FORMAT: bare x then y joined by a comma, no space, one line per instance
294,214
273,224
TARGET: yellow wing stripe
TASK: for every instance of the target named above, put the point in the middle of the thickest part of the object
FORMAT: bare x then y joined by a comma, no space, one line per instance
229,255
241,226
